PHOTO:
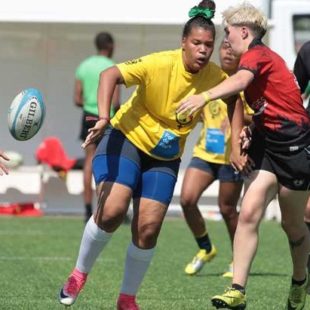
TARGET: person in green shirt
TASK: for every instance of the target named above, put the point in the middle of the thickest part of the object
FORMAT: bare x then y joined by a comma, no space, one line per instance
85,96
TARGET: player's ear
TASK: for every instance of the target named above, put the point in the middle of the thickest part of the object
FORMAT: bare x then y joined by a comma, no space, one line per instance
244,32
183,43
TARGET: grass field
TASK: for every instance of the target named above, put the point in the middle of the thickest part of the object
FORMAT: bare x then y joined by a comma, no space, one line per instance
37,254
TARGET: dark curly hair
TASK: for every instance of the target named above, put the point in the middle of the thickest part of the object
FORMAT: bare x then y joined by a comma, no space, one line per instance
200,20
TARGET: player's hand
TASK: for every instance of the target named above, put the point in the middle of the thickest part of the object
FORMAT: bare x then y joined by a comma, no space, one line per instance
245,138
241,162
191,105
3,168
95,132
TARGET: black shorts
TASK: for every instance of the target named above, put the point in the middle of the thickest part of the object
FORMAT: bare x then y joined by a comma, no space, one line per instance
292,168
85,125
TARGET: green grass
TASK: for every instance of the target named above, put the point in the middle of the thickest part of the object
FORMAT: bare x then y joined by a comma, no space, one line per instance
37,254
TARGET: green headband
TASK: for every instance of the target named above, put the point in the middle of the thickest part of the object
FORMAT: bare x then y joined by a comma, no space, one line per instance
204,12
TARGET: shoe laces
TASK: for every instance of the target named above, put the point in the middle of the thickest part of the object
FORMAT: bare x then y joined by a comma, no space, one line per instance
229,291
74,285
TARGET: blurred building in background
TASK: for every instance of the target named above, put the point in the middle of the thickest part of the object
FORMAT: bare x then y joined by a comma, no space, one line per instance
42,42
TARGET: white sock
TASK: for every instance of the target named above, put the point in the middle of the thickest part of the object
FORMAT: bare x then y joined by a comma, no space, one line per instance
93,241
137,263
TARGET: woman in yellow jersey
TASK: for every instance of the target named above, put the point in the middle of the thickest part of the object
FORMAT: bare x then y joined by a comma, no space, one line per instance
139,154
210,162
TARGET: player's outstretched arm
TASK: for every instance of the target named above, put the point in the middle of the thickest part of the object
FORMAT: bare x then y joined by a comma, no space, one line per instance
3,168
227,88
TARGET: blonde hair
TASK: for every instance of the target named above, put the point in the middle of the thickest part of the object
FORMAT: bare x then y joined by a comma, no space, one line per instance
246,14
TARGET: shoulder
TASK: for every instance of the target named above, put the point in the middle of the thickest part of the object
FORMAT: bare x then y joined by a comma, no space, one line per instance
257,55
214,67
166,57
86,61
158,60
215,71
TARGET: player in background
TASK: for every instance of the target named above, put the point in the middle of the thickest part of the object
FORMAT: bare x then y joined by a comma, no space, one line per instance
210,162
85,96
277,161
302,70
302,73
139,155
3,168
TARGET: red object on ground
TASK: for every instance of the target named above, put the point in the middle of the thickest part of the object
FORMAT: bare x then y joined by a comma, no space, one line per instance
20,209
51,152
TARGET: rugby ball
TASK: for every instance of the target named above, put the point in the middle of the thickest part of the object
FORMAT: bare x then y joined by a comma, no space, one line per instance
26,114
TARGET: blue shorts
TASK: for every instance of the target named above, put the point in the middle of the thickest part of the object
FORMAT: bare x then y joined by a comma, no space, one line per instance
221,172
118,160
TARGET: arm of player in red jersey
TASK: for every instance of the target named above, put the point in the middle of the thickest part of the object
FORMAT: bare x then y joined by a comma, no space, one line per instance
227,88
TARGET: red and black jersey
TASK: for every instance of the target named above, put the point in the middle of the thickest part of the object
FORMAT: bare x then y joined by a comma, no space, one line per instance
275,97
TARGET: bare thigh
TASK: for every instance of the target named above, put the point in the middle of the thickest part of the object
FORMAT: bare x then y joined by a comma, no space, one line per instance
260,188
195,182
112,206
293,205
147,220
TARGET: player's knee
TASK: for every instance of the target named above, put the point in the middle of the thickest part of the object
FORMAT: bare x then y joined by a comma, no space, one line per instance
249,217
187,203
148,234
227,211
109,221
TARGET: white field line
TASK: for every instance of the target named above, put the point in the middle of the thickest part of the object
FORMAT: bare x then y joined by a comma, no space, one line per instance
42,258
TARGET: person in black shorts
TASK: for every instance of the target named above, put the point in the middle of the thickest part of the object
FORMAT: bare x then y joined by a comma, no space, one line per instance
302,73
276,160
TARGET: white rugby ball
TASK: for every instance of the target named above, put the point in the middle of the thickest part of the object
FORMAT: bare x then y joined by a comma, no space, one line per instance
26,114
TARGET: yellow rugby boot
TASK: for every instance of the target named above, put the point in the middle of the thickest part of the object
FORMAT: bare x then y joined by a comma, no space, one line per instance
231,299
199,260
297,296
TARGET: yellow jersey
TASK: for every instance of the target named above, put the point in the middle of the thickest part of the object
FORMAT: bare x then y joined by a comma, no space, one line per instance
214,142
148,118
